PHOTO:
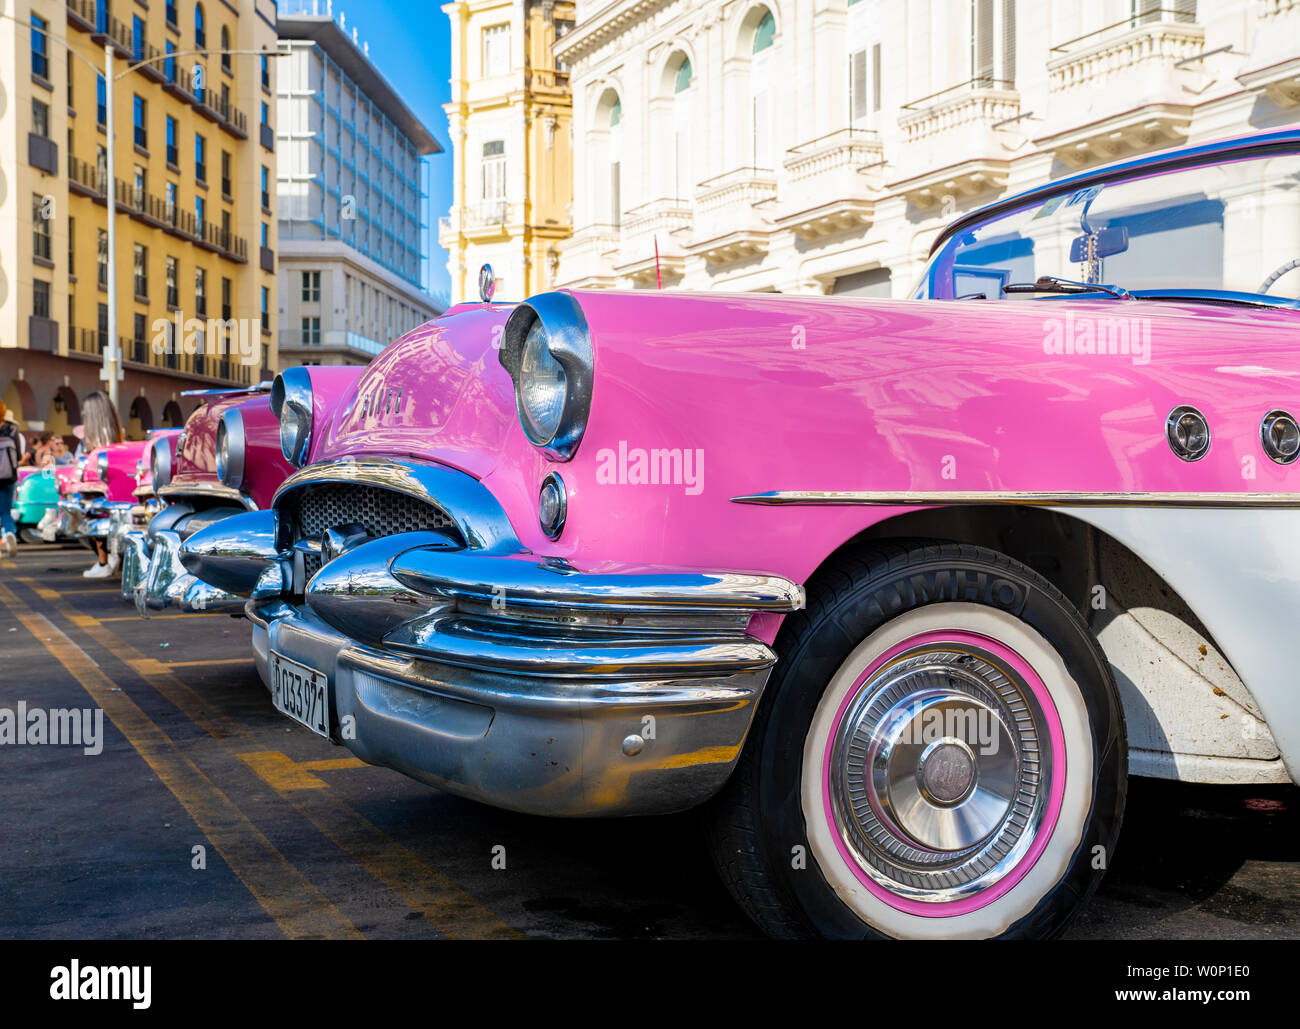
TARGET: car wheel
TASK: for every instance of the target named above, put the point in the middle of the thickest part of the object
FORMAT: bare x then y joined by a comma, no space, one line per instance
939,753
29,535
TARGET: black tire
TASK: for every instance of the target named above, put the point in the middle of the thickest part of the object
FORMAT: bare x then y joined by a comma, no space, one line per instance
753,825
29,535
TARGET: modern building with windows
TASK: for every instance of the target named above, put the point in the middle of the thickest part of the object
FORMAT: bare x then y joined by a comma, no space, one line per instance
509,122
817,146
193,241
351,196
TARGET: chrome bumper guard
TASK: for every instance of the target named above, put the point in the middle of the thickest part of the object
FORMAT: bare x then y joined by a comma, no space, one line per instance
516,680
154,578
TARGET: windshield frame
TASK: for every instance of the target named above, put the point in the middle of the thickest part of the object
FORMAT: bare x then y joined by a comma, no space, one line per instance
1253,147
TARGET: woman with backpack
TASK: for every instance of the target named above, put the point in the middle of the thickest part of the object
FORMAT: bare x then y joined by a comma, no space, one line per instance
102,427
12,446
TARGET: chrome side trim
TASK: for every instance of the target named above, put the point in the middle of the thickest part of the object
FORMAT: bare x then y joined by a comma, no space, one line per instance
207,490
529,581
906,498
482,643
466,501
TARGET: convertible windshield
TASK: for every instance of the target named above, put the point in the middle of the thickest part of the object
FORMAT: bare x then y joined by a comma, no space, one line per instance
1231,227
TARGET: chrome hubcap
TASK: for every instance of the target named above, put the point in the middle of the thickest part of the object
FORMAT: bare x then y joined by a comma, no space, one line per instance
939,772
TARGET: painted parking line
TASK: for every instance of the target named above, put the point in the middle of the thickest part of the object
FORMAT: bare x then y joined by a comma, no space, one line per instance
298,908
440,901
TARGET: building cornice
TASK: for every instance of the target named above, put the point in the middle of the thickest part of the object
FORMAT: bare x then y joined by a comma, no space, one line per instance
611,20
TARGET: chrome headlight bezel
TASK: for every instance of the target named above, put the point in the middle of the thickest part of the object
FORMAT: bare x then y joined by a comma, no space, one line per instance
291,401
568,341
160,462
231,449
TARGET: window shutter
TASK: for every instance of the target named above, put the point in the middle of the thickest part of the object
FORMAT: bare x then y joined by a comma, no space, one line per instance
876,74
858,84
616,193
1008,72
982,48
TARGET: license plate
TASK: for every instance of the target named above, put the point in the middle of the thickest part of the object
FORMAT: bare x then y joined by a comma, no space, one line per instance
300,692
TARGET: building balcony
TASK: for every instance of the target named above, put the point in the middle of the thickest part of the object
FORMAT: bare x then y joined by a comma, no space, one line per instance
43,334
968,119
109,30
729,224
1121,89
43,153
588,255
84,179
489,219
81,15
336,340
1273,67
658,225
832,183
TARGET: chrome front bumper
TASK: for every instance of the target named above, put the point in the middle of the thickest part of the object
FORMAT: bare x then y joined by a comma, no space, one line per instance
498,675
604,743
153,577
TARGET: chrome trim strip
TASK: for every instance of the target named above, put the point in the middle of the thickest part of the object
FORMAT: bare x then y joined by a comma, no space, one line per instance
209,490
907,498
531,581
465,500
480,643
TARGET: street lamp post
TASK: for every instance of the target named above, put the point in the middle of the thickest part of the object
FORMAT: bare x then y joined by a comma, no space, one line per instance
112,360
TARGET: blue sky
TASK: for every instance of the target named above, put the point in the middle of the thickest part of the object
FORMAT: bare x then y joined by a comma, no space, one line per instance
410,43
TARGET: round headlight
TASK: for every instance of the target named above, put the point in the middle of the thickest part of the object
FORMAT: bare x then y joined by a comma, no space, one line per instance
291,402
546,348
230,449
160,462
101,466
542,387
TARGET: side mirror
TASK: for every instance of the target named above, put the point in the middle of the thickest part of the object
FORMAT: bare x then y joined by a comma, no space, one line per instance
1108,242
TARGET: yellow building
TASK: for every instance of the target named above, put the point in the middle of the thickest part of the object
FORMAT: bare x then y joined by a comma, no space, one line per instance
195,192
509,124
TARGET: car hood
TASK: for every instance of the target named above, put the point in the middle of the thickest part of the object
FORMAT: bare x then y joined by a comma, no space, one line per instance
438,393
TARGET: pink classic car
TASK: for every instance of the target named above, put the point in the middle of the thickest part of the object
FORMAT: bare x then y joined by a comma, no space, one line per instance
111,494
226,461
902,590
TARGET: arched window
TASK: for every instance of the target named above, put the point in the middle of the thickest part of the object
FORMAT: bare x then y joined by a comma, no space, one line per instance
225,48
683,144
761,72
606,167
200,33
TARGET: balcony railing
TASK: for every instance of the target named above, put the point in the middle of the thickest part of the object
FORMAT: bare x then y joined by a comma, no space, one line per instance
86,341
292,339
168,216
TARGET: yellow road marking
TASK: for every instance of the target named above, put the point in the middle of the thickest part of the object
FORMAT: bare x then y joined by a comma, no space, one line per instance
147,666
283,774
441,902
299,909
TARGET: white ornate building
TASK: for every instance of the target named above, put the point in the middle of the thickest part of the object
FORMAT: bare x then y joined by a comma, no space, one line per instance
816,146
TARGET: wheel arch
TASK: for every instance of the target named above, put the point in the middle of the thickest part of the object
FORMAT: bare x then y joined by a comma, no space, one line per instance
1191,710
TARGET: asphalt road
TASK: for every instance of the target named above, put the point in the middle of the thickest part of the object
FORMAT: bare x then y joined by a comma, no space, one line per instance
207,814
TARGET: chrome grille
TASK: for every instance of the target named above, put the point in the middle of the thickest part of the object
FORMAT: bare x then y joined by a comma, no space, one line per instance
382,512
